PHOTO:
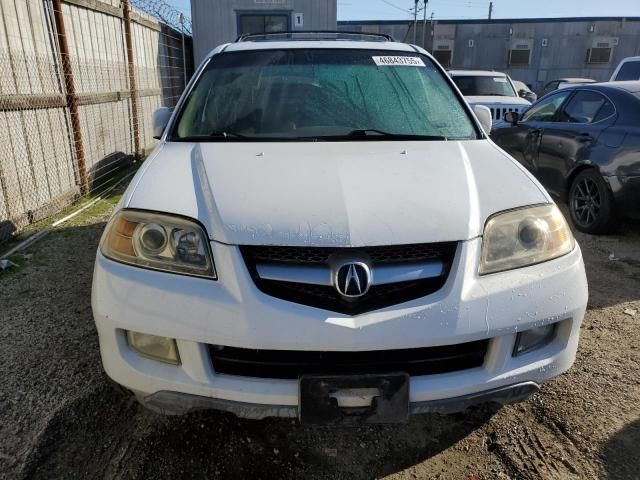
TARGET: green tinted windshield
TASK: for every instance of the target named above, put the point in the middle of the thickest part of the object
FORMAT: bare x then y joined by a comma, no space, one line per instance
332,93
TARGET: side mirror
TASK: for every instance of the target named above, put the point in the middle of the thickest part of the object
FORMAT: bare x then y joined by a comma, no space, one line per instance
484,117
523,93
512,117
160,120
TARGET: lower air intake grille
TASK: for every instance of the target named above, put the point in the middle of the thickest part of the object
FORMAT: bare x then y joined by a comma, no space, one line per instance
327,297
291,364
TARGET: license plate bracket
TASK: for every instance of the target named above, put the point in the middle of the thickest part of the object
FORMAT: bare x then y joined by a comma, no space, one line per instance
318,405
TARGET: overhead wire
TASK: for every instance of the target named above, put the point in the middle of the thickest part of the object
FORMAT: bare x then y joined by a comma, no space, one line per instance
395,6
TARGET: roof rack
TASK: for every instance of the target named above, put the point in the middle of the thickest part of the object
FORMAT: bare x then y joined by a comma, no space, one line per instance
316,35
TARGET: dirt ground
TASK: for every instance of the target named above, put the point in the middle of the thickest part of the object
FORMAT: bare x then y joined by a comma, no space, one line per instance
60,417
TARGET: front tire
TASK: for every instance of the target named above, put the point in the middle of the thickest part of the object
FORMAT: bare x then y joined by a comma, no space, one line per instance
591,203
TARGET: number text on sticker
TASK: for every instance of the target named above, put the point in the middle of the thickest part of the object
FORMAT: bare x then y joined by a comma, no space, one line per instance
398,61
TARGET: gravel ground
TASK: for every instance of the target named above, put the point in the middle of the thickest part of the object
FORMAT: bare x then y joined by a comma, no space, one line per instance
60,417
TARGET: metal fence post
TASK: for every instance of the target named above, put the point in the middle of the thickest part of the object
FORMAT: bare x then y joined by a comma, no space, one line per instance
132,77
184,52
71,96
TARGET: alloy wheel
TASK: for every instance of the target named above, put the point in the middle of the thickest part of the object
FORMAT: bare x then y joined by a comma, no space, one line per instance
587,202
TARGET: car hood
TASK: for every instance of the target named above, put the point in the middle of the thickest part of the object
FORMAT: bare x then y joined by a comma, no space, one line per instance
334,193
496,100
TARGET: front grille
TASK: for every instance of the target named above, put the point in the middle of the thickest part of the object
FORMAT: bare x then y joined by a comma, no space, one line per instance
383,254
498,113
288,364
327,297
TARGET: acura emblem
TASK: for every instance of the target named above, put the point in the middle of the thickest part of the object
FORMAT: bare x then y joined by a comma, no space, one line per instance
353,279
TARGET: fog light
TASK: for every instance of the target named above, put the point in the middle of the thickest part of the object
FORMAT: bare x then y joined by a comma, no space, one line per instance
163,349
534,338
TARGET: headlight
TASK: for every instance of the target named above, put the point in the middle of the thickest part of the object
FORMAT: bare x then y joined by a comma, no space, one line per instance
523,237
160,242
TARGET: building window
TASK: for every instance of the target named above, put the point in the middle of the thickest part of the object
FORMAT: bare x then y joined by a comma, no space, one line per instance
443,57
263,23
599,55
519,57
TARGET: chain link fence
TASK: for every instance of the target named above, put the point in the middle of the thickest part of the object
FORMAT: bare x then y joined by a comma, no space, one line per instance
79,80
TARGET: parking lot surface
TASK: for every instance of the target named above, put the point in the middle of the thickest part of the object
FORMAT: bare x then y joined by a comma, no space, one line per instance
61,418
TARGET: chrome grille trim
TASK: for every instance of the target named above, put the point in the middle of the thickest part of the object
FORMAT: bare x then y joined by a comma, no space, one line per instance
313,275
321,275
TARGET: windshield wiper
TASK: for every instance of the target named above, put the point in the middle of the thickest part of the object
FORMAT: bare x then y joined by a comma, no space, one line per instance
226,134
216,134
368,134
374,133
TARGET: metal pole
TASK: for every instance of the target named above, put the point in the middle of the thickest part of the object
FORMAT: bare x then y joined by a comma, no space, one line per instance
132,77
424,26
184,58
415,20
490,9
71,96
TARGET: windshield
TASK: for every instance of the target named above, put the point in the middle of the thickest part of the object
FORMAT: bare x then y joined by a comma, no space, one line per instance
319,94
472,86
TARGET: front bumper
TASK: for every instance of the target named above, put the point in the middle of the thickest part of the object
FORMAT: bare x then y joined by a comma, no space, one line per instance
176,403
233,312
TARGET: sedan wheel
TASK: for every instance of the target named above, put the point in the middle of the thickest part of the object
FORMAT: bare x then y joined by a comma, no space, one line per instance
591,203
587,201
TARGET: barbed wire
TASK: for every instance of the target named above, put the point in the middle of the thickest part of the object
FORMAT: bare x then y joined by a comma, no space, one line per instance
165,13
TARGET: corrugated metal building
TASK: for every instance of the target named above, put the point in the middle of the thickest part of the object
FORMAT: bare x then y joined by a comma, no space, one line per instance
534,51
220,21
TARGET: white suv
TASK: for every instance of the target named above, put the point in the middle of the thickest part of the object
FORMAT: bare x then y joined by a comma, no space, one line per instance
326,232
627,69
494,90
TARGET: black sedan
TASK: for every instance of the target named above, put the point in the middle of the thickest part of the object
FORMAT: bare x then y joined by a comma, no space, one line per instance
583,144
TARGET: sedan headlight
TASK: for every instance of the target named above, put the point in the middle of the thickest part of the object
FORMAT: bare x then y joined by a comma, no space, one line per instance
160,242
525,236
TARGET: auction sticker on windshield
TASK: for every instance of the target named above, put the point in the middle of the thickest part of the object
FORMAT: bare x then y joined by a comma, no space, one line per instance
399,61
